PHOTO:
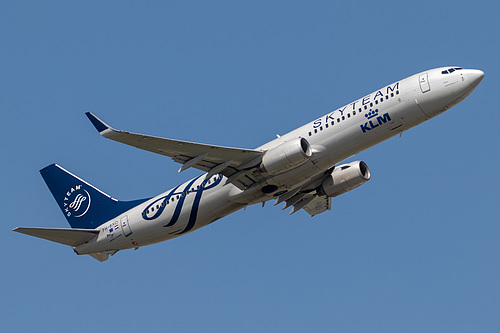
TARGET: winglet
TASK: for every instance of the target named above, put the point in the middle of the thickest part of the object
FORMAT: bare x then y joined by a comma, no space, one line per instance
100,125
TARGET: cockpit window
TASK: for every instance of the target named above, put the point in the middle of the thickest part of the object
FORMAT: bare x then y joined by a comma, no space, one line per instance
451,70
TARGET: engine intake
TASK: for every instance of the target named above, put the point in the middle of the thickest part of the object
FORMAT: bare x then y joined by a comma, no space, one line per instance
287,155
345,178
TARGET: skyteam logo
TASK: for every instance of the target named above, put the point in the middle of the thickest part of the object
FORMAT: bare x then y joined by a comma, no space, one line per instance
76,202
373,123
156,208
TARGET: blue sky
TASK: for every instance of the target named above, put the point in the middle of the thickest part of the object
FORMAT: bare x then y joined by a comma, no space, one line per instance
415,249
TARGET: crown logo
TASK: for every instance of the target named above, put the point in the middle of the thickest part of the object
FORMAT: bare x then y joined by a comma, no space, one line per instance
371,114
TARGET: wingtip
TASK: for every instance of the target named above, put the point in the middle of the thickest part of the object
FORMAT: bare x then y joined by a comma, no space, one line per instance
100,125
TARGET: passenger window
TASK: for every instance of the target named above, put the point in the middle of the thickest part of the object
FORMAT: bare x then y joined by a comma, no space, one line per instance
310,134
392,94
343,117
315,130
353,113
376,101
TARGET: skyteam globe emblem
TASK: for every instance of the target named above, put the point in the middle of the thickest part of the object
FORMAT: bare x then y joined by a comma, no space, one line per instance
76,202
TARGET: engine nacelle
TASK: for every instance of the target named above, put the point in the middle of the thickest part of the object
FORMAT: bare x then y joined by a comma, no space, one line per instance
345,178
287,155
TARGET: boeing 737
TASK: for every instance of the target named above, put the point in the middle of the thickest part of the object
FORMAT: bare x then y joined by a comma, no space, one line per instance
299,169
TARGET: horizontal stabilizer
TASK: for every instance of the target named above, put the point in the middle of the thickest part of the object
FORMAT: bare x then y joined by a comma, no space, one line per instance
71,237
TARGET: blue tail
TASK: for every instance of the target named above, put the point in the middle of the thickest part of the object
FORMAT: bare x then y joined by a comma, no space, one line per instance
84,205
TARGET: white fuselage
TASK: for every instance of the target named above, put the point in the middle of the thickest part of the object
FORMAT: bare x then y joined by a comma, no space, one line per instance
334,137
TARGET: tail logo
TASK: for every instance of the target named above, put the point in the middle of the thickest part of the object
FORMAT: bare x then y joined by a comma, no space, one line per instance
76,203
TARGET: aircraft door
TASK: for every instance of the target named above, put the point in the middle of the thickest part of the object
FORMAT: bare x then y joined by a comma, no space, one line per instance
125,226
424,82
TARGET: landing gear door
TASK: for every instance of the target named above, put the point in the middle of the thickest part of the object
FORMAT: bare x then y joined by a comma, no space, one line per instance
125,226
424,82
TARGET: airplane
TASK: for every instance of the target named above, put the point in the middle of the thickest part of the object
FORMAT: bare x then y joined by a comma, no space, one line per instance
299,169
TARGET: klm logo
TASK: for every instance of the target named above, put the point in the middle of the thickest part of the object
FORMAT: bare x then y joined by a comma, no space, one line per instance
374,120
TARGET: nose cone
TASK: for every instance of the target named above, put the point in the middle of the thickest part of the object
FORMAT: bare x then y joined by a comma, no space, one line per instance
474,76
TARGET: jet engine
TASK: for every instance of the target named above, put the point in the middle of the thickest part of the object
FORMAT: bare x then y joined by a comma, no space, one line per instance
287,155
345,178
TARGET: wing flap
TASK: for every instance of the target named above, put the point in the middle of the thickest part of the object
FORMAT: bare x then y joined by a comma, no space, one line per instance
318,205
71,237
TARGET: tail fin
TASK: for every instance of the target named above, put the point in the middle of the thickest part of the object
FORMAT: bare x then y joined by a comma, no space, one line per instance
84,206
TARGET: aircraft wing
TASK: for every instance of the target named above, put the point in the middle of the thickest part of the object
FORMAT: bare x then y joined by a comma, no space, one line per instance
304,196
234,163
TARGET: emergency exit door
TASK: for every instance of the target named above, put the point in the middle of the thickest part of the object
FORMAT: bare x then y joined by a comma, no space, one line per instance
424,82
126,226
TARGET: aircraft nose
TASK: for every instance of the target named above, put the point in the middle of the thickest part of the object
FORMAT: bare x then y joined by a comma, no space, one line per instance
474,76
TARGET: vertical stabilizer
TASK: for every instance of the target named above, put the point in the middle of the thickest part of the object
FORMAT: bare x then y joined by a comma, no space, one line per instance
85,206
